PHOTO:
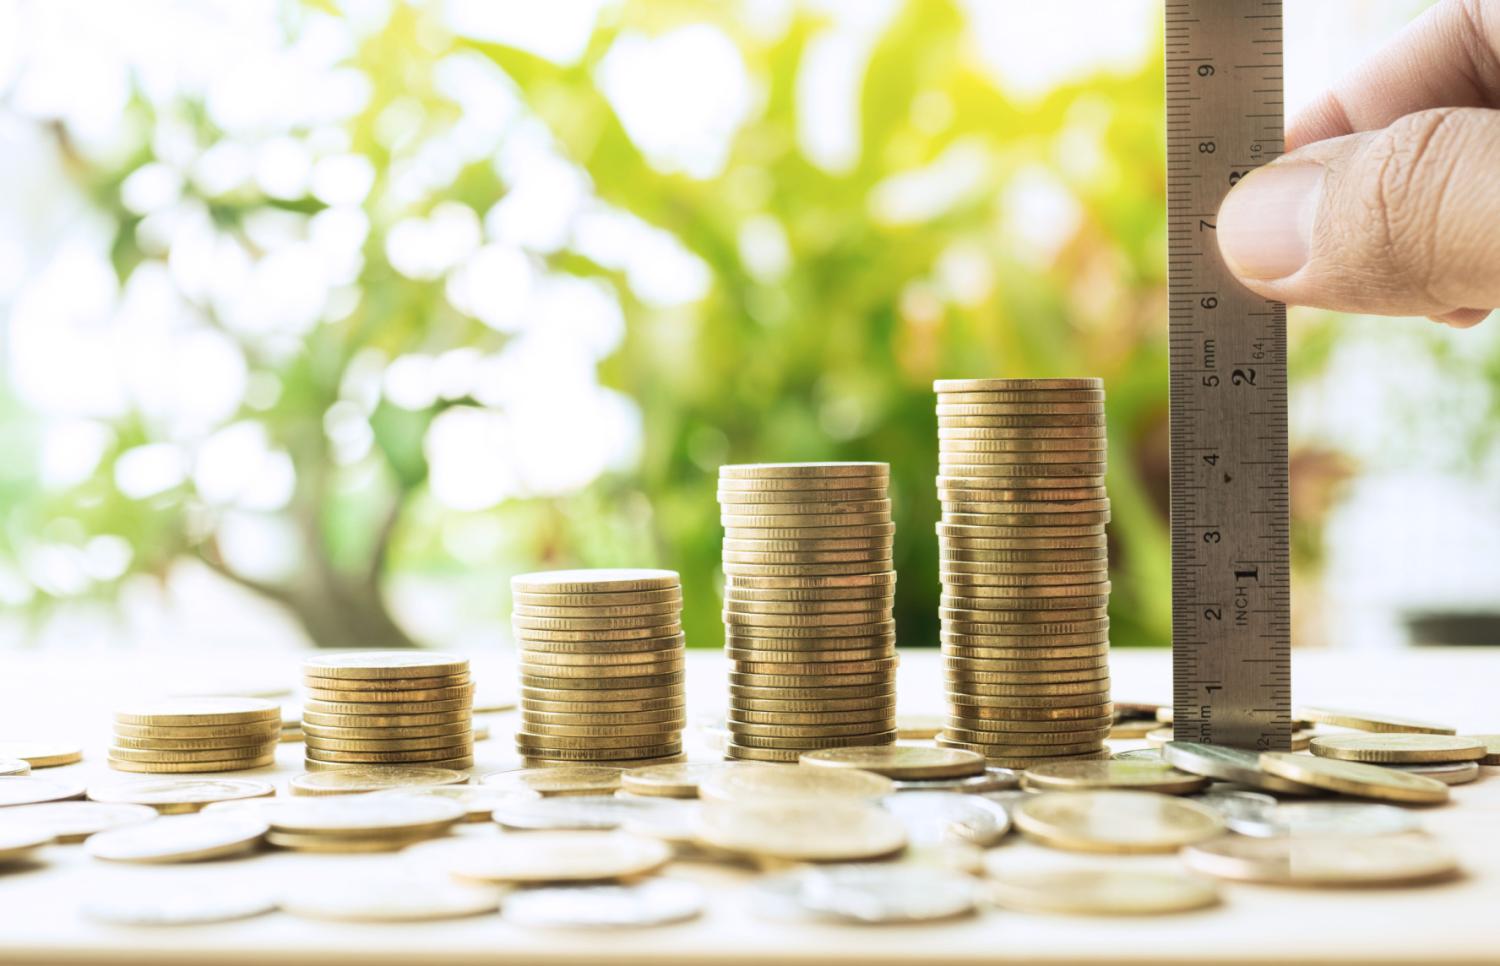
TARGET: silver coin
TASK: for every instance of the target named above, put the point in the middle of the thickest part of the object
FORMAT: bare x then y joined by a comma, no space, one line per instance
993,780
1138,754
886,893
580,812
933,818
679,826
219,900
1448,772
14,766
653,902
71,822
1327,819
1227,764
1248,808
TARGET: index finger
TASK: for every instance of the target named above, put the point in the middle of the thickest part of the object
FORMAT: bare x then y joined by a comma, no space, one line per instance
1447,57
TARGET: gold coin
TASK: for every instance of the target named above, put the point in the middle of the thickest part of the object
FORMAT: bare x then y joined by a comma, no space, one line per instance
836,830
1064,384
731,569
463,693
739,753
746,784
1042,654
584,731
600,719
792,735
811,535
653,699
867,545
589,600
71,822
963,643
880,704
322,732
671,662
614,739
802,681
1137,775
736,639
813,631
798,485
1065,730
250,732
900,762
199,711
569,780
603,755
41,754
879,505
371,778
1097,566
1094,541
341,845
634,659
1022,395
599,611
1022,671
668,624
963,621
478,801
367,815
1097,690
1001,761
1354,778
873,559
640,686
536,857
961,532
258,750
1085,447
385,685
601,646
1368,721
755,656
382,708
1022,520
1492,749
597,581
679,780
460,715
883,713
460,749
861,609
874,585
1096,892
445,741
385,664
168,767
1316,861
981,608
527,635
947,407
1398,748
448,764
974,481
980,583
814,521
867,618
1115,821
992,744
798,497
817,668
171,796
1049,555
970,497
769,471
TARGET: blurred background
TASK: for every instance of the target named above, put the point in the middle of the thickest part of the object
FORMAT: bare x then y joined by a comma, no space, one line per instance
320,320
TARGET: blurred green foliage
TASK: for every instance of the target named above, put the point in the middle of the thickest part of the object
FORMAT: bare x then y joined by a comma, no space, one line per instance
833,359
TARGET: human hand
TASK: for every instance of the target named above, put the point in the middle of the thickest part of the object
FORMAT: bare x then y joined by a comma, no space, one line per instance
1388,200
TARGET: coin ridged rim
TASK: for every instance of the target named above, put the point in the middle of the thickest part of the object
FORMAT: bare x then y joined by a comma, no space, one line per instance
840,499
546,701
595,581
1018,384
758,471
899,762
345,781
189,767
385,664
550,740
1355,778
591,599
199,711
742,740
741,730
1013,726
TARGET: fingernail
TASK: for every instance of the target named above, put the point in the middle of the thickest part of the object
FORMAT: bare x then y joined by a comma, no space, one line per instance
1266,223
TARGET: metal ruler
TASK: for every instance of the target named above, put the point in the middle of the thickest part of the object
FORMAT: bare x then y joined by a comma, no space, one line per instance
1231,596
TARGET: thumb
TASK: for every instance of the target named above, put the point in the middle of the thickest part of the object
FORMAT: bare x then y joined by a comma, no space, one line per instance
1400,221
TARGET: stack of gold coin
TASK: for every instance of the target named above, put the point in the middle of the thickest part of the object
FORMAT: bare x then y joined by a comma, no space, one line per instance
809,585
178,735
1024,567
601,666
388,708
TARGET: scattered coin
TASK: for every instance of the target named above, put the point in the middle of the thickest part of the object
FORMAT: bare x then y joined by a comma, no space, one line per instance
941,817
1139,754
993,780
1112,773
767,782
1392,749
181,904
1355,778
533,857
371,778
41,754
180,838
71,822
1098,892
1115,821
13,766
478,801
876,894
581,812
899,761
1229,765
1447,772
1325,819
196,734
368,816
1315,861
1368,720
1491,749
30,789
572,780
670,781
918,725
387,897
19,843
654,902
175,795
803,830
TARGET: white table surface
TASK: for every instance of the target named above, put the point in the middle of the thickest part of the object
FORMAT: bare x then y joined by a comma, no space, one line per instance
1456,921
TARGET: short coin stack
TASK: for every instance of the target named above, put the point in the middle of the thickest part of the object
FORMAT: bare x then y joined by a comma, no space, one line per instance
388,708
601,666
1024,567
180,735
808,593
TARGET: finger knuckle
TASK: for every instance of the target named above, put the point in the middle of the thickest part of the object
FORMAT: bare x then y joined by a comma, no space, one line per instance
1415,157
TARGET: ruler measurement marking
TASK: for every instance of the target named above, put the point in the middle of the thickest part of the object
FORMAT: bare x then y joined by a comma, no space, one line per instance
1227,346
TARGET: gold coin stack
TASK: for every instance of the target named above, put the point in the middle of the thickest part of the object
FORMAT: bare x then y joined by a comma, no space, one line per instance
1024,568
388,708
188,735
601,666
808,591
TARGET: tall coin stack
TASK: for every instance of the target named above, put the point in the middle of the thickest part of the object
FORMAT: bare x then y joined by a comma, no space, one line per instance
601,666
808,591
184,735
1024,568
388,708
